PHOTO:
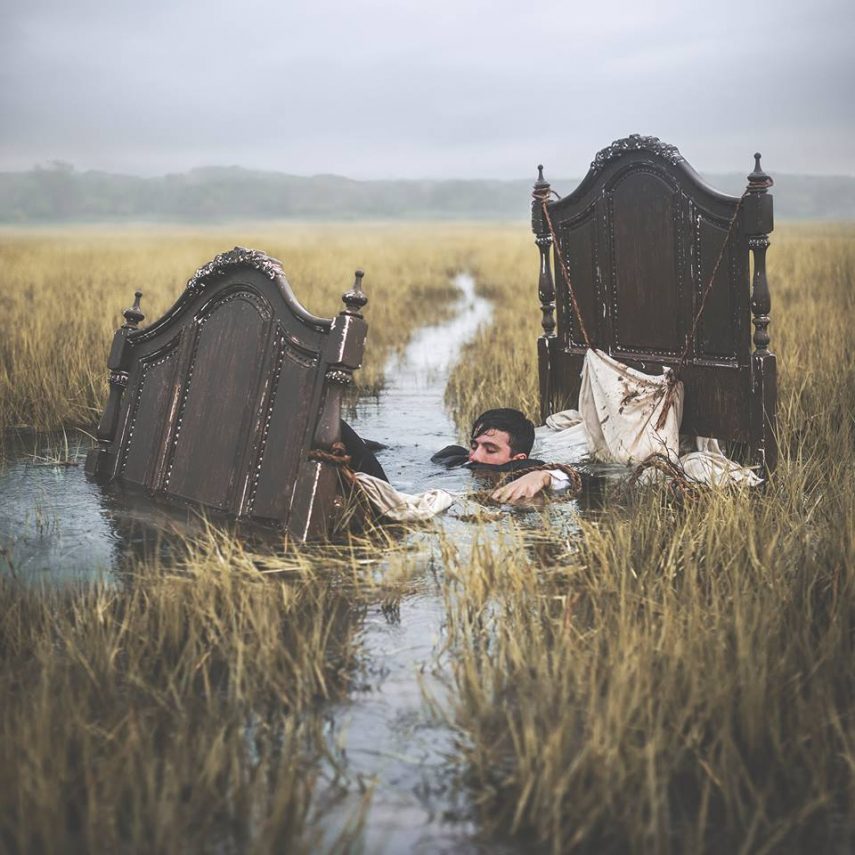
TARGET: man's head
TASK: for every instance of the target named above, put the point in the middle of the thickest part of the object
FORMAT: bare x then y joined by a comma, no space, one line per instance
499,436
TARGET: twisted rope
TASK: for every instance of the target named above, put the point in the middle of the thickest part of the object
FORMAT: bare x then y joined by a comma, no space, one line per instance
564,272
337,455
680,486
574,475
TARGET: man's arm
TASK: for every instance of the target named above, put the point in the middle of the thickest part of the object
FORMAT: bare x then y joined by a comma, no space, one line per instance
529,485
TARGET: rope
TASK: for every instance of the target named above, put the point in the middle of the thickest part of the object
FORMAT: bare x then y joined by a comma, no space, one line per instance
360,509
679,484
574,475
565,273
337,456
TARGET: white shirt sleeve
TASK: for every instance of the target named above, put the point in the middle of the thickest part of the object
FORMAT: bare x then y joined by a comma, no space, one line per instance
560,480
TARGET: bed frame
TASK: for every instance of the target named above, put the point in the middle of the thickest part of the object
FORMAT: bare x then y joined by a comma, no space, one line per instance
640,237
221,403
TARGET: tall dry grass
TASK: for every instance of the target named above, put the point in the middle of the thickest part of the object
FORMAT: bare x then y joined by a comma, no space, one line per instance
661,679
181,709
679,679
62,293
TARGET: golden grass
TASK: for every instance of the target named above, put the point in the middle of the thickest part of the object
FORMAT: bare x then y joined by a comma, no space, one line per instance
663,680
62,293
678,679
181,709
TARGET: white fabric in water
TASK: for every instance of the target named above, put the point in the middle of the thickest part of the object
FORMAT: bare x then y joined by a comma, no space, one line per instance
403,507
563,439
708,465
616,422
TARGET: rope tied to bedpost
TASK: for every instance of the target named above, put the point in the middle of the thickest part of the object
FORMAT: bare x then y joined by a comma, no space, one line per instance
337,456
544,201
359,510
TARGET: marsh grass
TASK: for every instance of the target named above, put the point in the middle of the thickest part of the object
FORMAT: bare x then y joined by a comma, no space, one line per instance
183,708
654,678
679,678
62,293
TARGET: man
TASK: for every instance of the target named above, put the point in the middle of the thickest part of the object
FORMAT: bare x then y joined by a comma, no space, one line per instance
500,442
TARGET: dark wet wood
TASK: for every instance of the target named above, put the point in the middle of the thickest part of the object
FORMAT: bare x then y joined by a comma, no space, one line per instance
218,403
640,237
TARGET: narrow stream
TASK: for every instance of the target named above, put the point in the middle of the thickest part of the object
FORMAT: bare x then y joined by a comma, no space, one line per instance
55,526
392,740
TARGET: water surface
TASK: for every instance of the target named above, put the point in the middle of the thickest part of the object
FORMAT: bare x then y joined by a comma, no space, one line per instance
57,527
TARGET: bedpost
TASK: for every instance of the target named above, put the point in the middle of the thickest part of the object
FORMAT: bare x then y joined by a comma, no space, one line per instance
320,479
546,343
98,461
758,222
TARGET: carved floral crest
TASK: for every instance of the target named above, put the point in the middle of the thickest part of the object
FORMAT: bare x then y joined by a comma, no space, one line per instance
270,267
636,142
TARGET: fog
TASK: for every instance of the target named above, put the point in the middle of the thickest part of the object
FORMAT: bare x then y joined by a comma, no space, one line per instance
381,89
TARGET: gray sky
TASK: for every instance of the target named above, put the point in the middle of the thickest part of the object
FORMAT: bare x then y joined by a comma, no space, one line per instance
379,89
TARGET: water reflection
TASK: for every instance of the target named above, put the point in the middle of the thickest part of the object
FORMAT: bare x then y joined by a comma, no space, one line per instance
55,526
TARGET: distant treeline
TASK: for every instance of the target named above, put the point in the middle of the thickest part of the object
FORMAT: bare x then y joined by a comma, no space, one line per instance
59,193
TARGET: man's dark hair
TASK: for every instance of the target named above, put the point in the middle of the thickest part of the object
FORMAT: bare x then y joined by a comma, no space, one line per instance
519,429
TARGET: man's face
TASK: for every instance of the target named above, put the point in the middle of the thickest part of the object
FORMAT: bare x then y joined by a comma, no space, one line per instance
493,446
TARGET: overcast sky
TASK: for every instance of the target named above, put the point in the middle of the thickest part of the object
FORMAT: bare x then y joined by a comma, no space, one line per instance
381,89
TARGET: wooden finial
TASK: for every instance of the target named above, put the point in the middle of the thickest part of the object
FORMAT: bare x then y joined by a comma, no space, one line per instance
134,315
758,180
355,299
758,223
543,239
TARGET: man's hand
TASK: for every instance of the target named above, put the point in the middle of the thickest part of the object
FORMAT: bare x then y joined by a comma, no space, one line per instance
525,487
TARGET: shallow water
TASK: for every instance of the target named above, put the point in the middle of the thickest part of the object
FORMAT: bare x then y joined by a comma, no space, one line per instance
56,527
391,738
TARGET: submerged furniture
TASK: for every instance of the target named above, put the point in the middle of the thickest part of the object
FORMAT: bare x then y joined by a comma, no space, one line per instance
659,267
224,402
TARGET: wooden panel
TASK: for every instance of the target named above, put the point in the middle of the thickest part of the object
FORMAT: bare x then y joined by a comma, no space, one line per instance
150,397
222,378
719,323
645,282
579,245
287,441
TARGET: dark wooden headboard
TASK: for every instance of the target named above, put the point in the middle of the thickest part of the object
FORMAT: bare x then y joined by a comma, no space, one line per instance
219,402
640,238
